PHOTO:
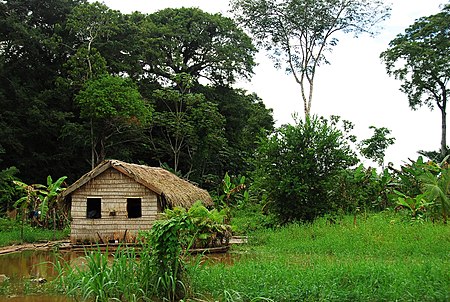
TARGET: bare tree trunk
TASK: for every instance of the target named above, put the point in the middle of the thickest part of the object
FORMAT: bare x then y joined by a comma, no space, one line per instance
92,146
444,131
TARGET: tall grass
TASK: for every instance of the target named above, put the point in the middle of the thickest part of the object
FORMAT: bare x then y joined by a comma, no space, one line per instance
379,259
123,277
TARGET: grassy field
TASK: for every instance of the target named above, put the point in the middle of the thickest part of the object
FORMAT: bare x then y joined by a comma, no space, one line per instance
10,233
380,259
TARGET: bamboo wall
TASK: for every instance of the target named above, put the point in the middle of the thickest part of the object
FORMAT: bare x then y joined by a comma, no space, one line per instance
113,188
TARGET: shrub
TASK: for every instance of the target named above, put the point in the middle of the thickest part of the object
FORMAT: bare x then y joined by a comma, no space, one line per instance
295,165
361,189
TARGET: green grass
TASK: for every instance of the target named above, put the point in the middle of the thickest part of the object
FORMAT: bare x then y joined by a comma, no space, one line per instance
380,259
10,233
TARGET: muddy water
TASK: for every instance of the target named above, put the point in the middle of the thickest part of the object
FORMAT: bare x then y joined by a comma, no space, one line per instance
26,271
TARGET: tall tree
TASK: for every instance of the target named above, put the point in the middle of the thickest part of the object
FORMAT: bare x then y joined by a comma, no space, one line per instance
420,59
187,130
113,106
32,111
90,23
247,120
299,33
203,45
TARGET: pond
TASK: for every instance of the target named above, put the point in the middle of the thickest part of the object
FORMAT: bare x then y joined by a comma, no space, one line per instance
22,275
26,272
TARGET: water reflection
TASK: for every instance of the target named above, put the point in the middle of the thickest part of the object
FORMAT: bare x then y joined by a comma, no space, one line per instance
34,264
23,270
23,273
37,298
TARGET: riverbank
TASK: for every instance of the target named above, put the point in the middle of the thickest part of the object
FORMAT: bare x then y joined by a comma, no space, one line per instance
38,246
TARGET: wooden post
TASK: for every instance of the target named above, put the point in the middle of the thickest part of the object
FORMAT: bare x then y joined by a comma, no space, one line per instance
54,224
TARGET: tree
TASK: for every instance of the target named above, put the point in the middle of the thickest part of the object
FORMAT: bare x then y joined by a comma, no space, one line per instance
187,129
420,59
296,165
188,40
8,192
374,148
112,105
91,22
299,33
32,111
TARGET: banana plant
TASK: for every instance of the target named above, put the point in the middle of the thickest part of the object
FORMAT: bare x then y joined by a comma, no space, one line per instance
39,197
30,199
417,206
50,193
231,188
429,188
436,189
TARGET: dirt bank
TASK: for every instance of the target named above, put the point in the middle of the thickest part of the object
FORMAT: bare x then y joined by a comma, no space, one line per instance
34,246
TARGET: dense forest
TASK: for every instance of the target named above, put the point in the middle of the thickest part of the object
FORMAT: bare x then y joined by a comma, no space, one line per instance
80,82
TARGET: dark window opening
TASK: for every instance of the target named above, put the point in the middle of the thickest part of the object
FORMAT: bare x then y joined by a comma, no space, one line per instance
94,208
134,207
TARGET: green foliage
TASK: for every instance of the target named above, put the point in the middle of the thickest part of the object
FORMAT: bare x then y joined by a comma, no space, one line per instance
361,189
246,120
123,278
40,199
187,129
419,58
203,45
250,217
182,230
8,191
204,228
166,253
417,206
424,189
435,156
374,148
295,166
113,106
84,65
383,259
112,98
29,65
90,21
299,33
79,48
233,192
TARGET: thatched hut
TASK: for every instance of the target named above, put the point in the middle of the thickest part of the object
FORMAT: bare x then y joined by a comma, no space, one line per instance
115,200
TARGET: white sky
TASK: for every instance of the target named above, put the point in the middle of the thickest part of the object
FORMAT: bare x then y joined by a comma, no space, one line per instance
355,86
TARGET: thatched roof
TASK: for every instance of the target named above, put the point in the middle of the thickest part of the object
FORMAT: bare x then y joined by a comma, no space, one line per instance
176,191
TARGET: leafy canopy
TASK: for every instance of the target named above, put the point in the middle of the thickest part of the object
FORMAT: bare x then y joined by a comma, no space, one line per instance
111,97
188,40
419,57
374,148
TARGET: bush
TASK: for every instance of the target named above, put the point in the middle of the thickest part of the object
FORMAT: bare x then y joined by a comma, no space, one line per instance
295,166
358,189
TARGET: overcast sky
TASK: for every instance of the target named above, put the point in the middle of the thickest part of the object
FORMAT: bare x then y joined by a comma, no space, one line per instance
355,85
